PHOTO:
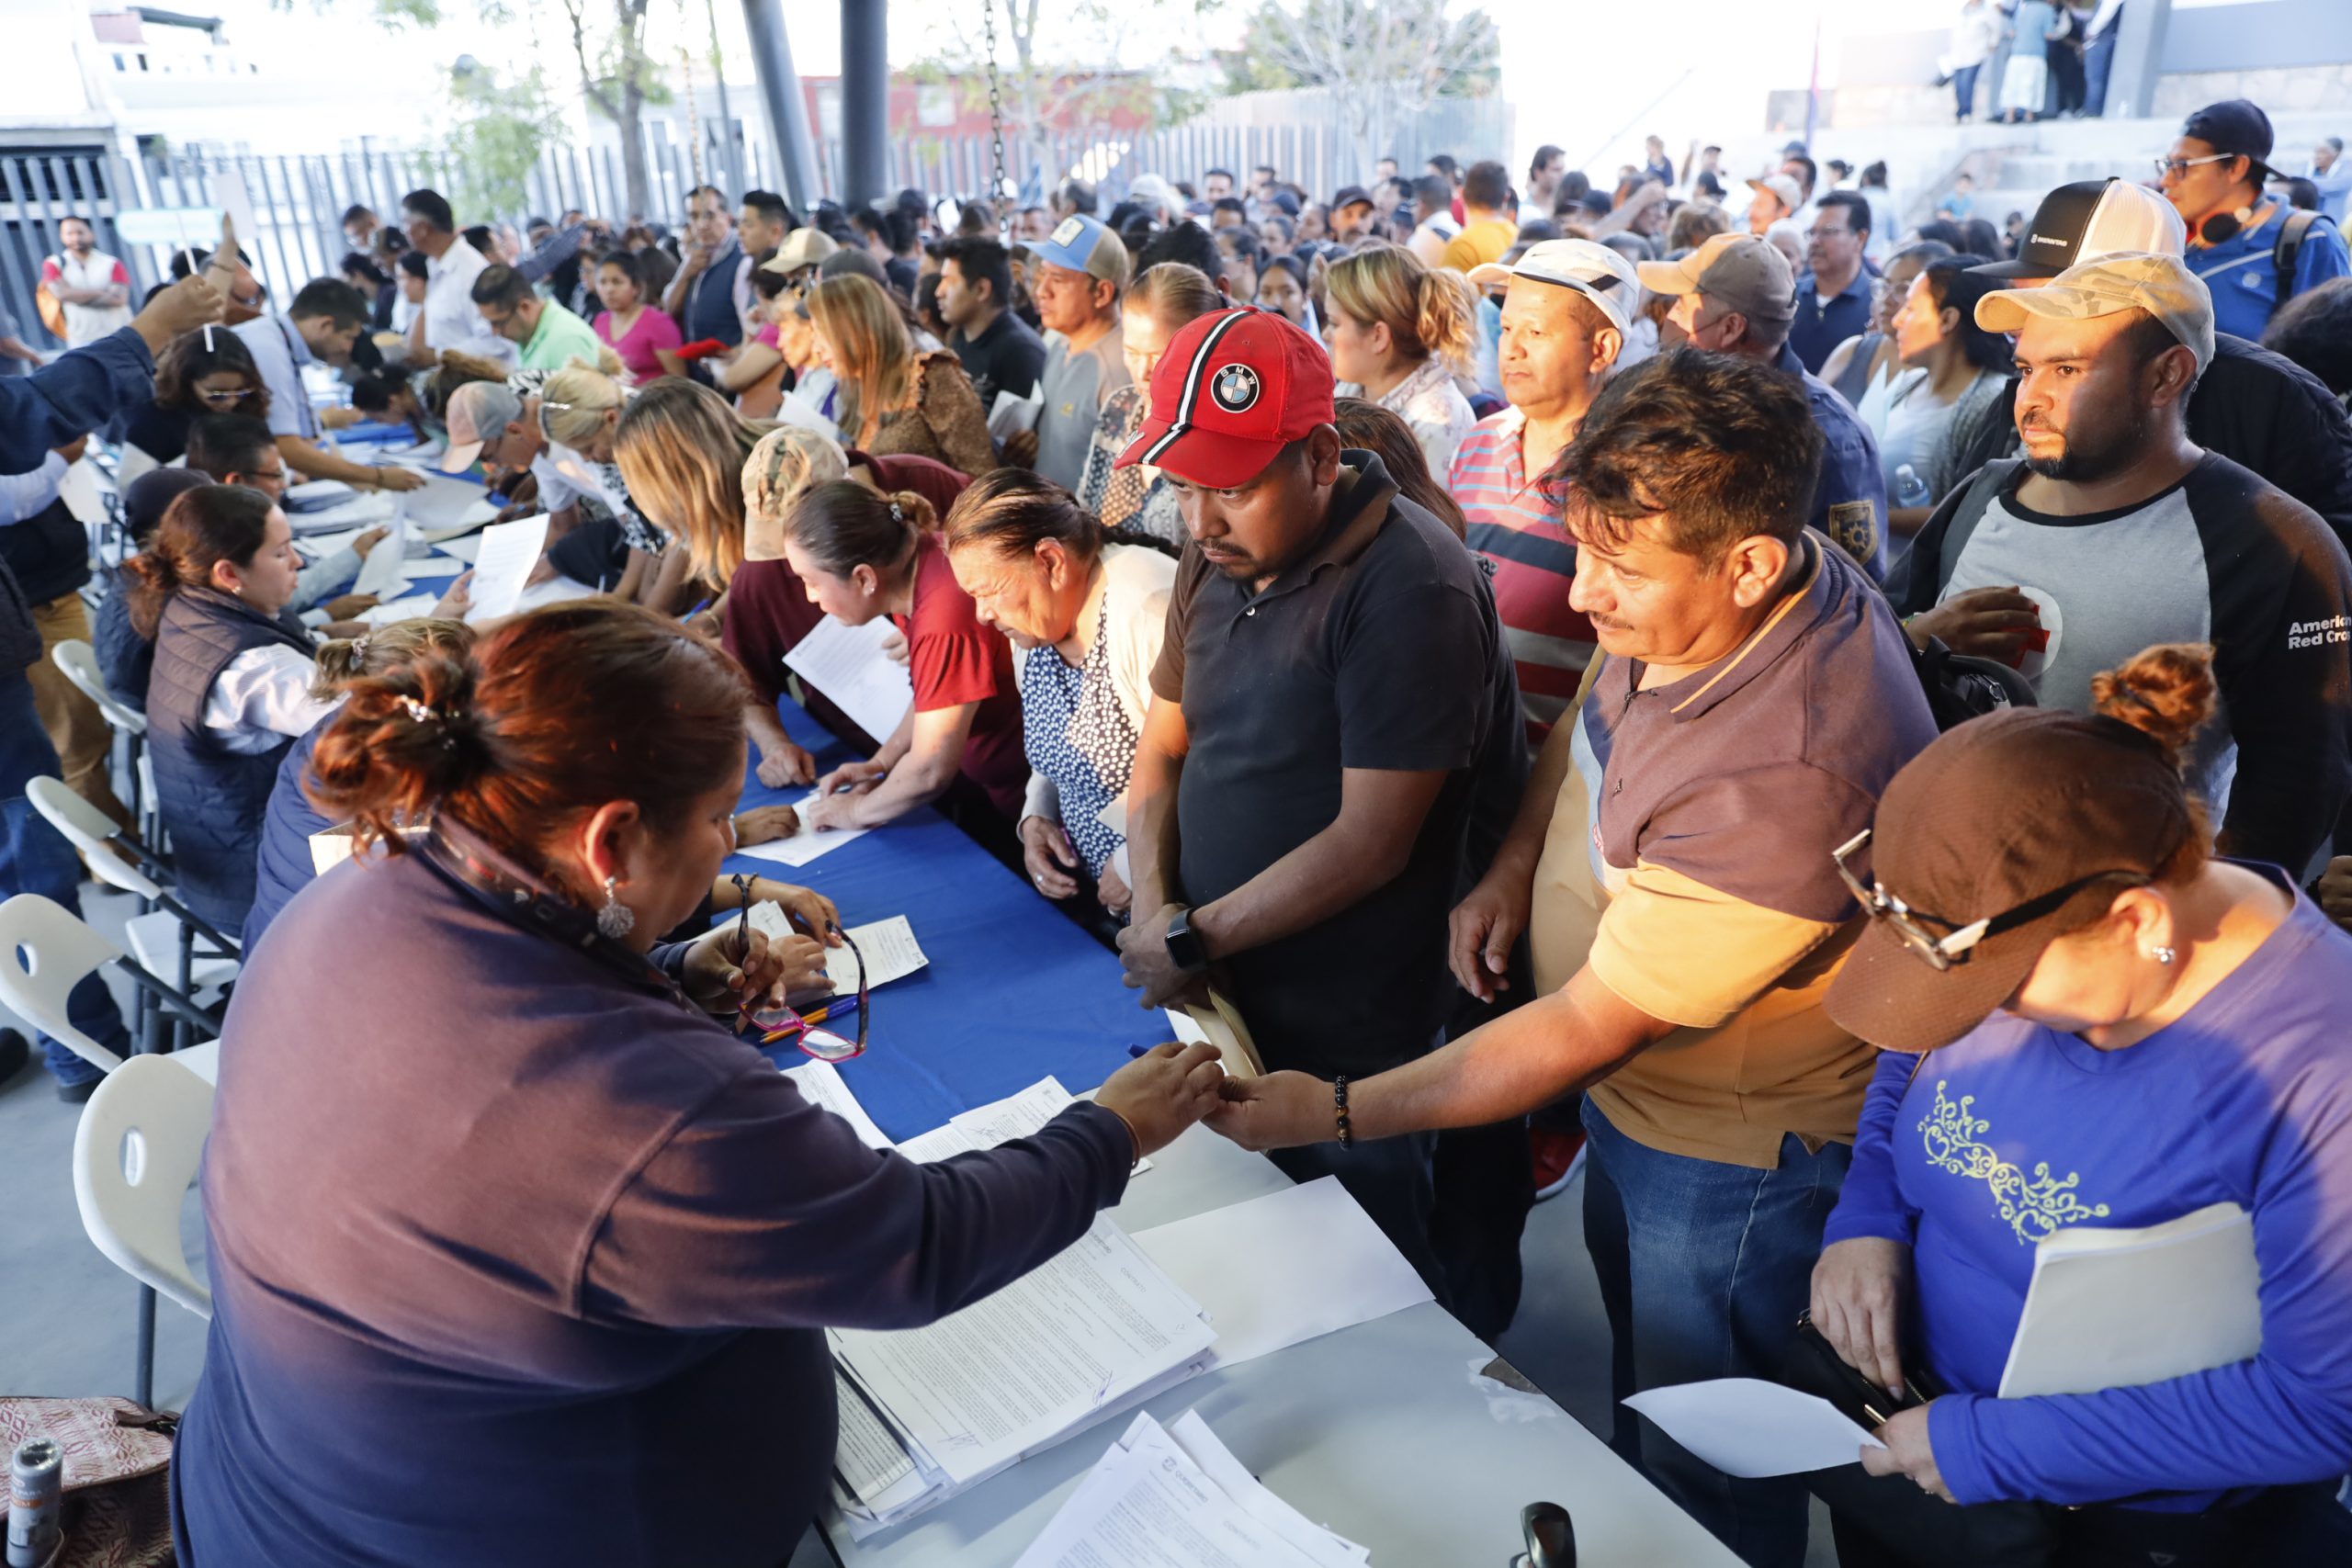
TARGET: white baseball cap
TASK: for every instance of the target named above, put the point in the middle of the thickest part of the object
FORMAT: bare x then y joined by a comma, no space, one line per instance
2161,286
1599,273
2091,219
1785,186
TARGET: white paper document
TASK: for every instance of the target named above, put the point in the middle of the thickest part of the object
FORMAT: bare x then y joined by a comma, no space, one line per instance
385,568
1281,1270
413,608
1014,414
1749,1428
806,843
1176,1498
315,495
464,550
359,512
849,664
1026,1365
2119,1308
509,551
986,1127
822,1082
890,954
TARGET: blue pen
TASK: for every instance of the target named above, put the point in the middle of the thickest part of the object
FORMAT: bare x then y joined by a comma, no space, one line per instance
1138,1052
697,610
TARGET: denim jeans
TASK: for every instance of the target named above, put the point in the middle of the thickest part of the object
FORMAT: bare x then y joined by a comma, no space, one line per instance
35,858
2098,61
1964,89
1703,1269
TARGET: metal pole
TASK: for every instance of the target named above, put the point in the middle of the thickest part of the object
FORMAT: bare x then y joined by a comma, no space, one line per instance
786,105
866,100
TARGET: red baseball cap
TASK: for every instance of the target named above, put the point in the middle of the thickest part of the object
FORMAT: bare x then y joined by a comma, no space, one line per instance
1234,388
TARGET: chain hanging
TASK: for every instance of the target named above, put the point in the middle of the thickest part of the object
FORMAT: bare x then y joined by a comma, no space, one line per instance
996,124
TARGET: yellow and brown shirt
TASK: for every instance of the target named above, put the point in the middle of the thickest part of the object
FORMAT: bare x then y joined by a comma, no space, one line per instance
1689,865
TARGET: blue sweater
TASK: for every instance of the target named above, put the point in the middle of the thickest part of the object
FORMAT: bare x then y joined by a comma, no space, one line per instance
2017,1130
532,1267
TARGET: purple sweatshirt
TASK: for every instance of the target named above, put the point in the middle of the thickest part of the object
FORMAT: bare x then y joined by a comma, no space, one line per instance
2016,1130
516,1261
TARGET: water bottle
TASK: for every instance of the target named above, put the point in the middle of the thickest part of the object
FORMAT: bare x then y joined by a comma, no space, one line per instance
36,1481
1910,490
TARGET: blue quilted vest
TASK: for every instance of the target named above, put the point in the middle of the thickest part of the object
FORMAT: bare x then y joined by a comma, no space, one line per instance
212,799
125,659
284,866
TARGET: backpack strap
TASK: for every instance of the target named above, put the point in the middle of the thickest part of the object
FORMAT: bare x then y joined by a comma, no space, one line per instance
2286,248
1988,482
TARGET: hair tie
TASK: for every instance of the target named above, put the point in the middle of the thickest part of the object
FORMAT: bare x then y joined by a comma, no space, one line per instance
897,516
423,715
359,646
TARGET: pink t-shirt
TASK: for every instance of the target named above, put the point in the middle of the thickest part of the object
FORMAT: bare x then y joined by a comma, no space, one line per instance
653,330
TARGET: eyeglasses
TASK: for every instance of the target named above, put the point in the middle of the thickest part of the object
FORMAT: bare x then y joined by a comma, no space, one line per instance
1940,952
227,397
784,1022
2173,168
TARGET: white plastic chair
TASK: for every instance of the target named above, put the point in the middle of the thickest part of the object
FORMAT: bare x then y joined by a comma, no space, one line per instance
44,953
136,1152
78,661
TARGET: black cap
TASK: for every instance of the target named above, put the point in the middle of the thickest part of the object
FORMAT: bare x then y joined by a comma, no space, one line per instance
2055,236
2237,127
1350,194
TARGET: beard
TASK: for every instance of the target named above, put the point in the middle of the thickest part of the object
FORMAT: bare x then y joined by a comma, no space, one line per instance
2088,455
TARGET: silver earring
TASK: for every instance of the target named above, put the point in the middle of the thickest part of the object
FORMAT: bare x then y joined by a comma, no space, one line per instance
2162,954
615,920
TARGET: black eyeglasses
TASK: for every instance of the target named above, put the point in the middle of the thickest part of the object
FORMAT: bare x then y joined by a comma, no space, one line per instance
784,1022
1940,952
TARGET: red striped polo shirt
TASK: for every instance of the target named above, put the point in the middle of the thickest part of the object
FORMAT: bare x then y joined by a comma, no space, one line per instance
1516,525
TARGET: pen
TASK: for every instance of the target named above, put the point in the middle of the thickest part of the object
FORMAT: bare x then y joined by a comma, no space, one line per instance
1138,1052
697,610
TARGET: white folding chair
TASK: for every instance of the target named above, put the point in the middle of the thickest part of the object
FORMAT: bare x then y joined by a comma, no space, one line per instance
165,940
79,663
46,951
136,1152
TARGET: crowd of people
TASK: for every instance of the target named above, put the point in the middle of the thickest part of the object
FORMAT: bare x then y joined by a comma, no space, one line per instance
1363,612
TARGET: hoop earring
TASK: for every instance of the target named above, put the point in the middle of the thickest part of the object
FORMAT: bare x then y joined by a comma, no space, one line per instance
615,920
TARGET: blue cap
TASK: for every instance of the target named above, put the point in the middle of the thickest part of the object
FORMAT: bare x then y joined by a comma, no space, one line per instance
1085,244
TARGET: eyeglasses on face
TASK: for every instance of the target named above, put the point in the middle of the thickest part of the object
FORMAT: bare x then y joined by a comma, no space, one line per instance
239,395
2174,168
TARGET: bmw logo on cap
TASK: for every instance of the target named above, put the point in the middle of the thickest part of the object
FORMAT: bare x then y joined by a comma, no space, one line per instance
1235,389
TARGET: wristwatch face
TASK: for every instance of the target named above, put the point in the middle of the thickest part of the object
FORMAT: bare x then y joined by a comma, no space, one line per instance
1184,943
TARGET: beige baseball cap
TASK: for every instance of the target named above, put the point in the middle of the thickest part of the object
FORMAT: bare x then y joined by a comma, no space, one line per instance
1785,186
802,247
2126,281
1741,270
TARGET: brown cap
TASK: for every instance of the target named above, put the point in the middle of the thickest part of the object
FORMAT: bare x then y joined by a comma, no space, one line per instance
1958,841
1741,270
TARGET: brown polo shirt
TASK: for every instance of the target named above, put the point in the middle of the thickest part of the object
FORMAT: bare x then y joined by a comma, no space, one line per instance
1687,865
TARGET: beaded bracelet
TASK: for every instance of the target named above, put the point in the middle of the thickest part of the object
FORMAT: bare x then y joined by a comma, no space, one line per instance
1339,1109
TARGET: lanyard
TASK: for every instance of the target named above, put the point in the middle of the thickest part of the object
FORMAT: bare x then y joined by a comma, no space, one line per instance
301,398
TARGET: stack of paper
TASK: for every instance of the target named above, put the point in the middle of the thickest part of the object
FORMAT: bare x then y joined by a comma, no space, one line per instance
927,1413
359,512
1175,1497
851,666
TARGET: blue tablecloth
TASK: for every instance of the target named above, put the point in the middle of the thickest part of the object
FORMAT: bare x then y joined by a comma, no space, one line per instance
1014,989
372,431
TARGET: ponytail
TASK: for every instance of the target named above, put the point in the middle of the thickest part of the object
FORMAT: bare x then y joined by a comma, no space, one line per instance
1429,314
2168,693
202,528
843,526
342,661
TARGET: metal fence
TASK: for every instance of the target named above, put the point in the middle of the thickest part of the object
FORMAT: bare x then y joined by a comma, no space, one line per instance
298,199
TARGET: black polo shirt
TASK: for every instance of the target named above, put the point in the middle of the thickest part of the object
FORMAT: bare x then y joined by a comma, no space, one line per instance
1379,649
1007,357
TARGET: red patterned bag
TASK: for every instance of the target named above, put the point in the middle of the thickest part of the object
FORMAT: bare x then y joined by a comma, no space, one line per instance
117,1509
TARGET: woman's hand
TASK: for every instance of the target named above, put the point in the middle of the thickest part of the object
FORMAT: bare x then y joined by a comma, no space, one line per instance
765,824
454,604
1857,1289
1162,1092
719,979
811,913
1044,852
1278,1111
786,765
368,541
895,646
1113,889
851,776
349,606
1908,1452
832,811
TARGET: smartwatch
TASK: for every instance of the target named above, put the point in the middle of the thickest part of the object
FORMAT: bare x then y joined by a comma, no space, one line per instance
1185,944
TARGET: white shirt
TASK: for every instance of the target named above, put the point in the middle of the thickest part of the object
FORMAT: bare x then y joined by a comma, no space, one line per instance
450,319
263,697
279,354
1428,240
88,323
25,495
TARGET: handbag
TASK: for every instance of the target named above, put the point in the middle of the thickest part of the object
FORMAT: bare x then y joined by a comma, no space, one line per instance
117,1485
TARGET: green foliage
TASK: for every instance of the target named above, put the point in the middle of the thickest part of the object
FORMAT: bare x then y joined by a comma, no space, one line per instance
1444,57
499,128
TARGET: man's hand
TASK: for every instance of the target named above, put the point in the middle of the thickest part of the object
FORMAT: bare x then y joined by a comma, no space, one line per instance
342,418
1908,1452
1020,449
2336,891
787,764
1162,1092
184,307
851,776
368,541
1279,1111
391,477
1143,949
765,824
71,451
1044,852
1857,1289
1987,623
350,606
1112,890
1483,928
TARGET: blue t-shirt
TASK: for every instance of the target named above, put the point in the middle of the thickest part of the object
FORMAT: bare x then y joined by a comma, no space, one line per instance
2242,271
1850,495
2017,1130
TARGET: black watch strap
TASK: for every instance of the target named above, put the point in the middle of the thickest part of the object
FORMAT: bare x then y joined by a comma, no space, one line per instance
1185,948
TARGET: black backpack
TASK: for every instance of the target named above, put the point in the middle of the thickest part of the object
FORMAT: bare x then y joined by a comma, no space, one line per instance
1960,686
